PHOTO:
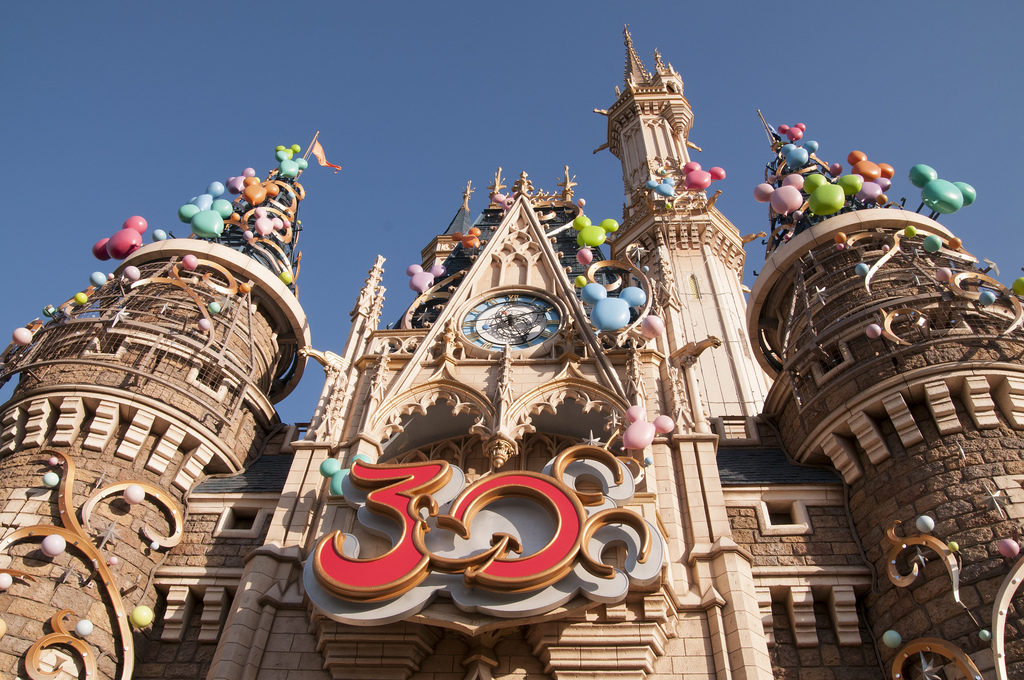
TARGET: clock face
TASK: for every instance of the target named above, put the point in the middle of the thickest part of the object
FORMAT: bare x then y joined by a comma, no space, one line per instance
518,320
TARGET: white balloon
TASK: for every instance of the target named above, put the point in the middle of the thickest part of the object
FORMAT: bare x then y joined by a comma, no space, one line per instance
83,628
134,494
6,581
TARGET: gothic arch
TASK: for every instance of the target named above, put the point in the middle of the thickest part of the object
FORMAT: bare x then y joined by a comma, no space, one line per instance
548,397
462,399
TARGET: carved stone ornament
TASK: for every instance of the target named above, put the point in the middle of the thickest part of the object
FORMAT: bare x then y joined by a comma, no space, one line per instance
499,450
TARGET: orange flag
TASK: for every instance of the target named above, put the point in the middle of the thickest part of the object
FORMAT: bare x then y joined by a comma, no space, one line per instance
318,151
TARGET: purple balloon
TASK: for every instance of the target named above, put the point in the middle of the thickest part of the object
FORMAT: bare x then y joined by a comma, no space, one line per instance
884,182
236,184
869,192
786,199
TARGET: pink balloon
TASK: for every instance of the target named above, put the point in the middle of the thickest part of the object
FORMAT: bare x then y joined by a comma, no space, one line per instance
190,262
652,326
204,324
763,192
698,179
690,167
421,282
664,424
437,271
783,129
585,256
803,128
794,180
54,544
1008,547
99,249
786,199
794,134
137,223
635,413
132,273
873,331
247,235
581,202
22,337
124,243
835,169
499,198
717,173
248,172
639,435
943,273
840,246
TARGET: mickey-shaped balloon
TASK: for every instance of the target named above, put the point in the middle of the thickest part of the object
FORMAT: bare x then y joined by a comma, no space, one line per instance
666,187
611,314
590,234
641,433
938,194
237,184
422,280
696,179
793,133
286,166
470,239
123,243
266,223
206,213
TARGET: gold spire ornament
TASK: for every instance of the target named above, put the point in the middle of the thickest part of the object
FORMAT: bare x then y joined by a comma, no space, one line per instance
567,184
466,193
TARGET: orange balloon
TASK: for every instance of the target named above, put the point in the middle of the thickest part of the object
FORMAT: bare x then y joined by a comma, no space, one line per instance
255,194
887,170
249,181
866,169
856,157
471,242
881,199
244,288
955,243
840,237
272,189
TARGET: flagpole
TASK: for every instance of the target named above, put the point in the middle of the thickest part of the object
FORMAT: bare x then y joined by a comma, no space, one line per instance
309,148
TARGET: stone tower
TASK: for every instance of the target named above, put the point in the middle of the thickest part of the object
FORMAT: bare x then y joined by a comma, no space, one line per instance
127,397
897,361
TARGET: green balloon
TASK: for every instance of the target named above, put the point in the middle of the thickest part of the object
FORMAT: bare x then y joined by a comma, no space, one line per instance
222,208
942,196
910,231
187,212
336,479
580,222
609,225
968,191
812,182
329,467
920,175
213,308
296,148
289,168
1018,286
365,457
851,184
279,147
207,224
827,199
932,243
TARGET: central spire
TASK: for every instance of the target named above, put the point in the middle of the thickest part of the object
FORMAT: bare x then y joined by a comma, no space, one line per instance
636,74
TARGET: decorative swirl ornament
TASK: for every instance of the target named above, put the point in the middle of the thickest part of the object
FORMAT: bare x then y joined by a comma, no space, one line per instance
893,241
78,539
59,636
955,285
940,548
935,646
175,279
890,316
1000,611
161,499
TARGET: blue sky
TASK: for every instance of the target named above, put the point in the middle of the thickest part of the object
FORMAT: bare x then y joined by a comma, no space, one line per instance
118,109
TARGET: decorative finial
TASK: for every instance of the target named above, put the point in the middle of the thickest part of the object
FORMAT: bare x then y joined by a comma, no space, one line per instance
523,185
467,192
496,186
567,184
657,60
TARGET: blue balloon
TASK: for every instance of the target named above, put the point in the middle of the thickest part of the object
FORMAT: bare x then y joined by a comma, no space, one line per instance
97,279
593,292
665,190
862,269
652,184
633,296
160,234
669,181
797,157
610,314
786,148
202,201
987,298
811,145
215,189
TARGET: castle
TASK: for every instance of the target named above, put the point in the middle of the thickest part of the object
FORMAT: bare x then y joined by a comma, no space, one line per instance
580,453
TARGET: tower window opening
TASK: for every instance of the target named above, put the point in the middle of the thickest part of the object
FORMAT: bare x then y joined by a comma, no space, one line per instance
694,287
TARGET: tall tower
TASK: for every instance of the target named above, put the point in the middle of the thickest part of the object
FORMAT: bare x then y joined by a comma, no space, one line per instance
698,252
129,395
897,362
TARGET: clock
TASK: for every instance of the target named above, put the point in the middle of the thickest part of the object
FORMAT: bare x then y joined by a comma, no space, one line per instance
516,320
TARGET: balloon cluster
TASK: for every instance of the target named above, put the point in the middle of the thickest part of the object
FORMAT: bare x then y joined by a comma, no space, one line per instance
590,234
206,212
266,222
793,133
938,194
286,166
641,433
331,469
422,280
611,314
470,239
694,179
237,184
666,187
503,201
124,242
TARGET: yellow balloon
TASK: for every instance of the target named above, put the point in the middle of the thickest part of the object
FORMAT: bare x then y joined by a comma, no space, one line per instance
581,281
141,616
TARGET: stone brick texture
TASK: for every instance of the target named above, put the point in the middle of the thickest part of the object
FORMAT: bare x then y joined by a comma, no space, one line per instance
827,661
831,544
